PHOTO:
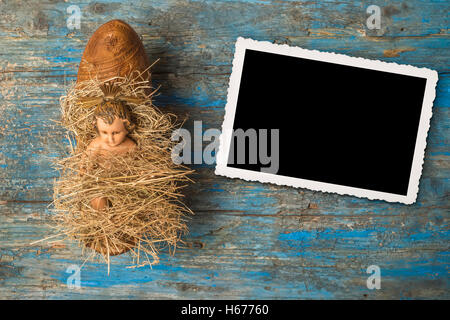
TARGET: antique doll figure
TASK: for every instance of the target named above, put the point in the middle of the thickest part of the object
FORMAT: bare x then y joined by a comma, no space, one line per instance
112,123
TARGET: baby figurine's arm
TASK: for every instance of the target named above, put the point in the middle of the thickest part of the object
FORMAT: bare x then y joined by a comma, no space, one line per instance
129,145
92,148
88,154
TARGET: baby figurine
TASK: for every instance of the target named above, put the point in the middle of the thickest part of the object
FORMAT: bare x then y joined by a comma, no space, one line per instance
112,123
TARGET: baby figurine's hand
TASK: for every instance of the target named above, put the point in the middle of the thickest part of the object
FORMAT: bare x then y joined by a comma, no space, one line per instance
99,203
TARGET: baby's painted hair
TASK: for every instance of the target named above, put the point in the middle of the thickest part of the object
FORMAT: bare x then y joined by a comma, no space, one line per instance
109,110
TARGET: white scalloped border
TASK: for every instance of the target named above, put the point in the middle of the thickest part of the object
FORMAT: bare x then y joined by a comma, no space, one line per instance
419,153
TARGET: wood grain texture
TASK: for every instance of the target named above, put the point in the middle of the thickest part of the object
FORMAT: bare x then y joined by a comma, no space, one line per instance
248,240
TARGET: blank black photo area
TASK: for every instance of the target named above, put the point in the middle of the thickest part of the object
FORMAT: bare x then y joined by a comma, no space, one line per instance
337,124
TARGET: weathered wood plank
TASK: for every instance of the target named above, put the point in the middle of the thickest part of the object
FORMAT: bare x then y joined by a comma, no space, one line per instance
249,240
305,255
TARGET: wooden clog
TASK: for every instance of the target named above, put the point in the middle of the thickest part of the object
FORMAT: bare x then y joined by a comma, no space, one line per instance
114,49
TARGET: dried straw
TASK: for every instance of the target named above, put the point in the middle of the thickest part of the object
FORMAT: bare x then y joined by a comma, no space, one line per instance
143,187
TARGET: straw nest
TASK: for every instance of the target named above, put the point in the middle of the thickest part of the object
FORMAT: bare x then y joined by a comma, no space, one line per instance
145,212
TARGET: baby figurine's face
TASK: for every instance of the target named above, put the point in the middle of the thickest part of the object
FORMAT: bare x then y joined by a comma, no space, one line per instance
113,134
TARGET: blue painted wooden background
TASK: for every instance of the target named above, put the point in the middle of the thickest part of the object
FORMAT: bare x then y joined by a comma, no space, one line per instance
249,240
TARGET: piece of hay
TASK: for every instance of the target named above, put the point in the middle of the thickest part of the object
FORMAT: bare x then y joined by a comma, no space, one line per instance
143,187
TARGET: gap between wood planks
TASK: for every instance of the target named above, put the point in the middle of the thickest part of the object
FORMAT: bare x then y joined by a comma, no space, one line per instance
23,201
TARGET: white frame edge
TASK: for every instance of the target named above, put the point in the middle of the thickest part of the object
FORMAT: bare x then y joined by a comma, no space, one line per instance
233,89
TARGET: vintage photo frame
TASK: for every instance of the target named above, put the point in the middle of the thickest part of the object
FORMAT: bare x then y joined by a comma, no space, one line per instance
223,169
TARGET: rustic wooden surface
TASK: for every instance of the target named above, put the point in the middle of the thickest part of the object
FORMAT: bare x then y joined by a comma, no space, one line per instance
250,240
